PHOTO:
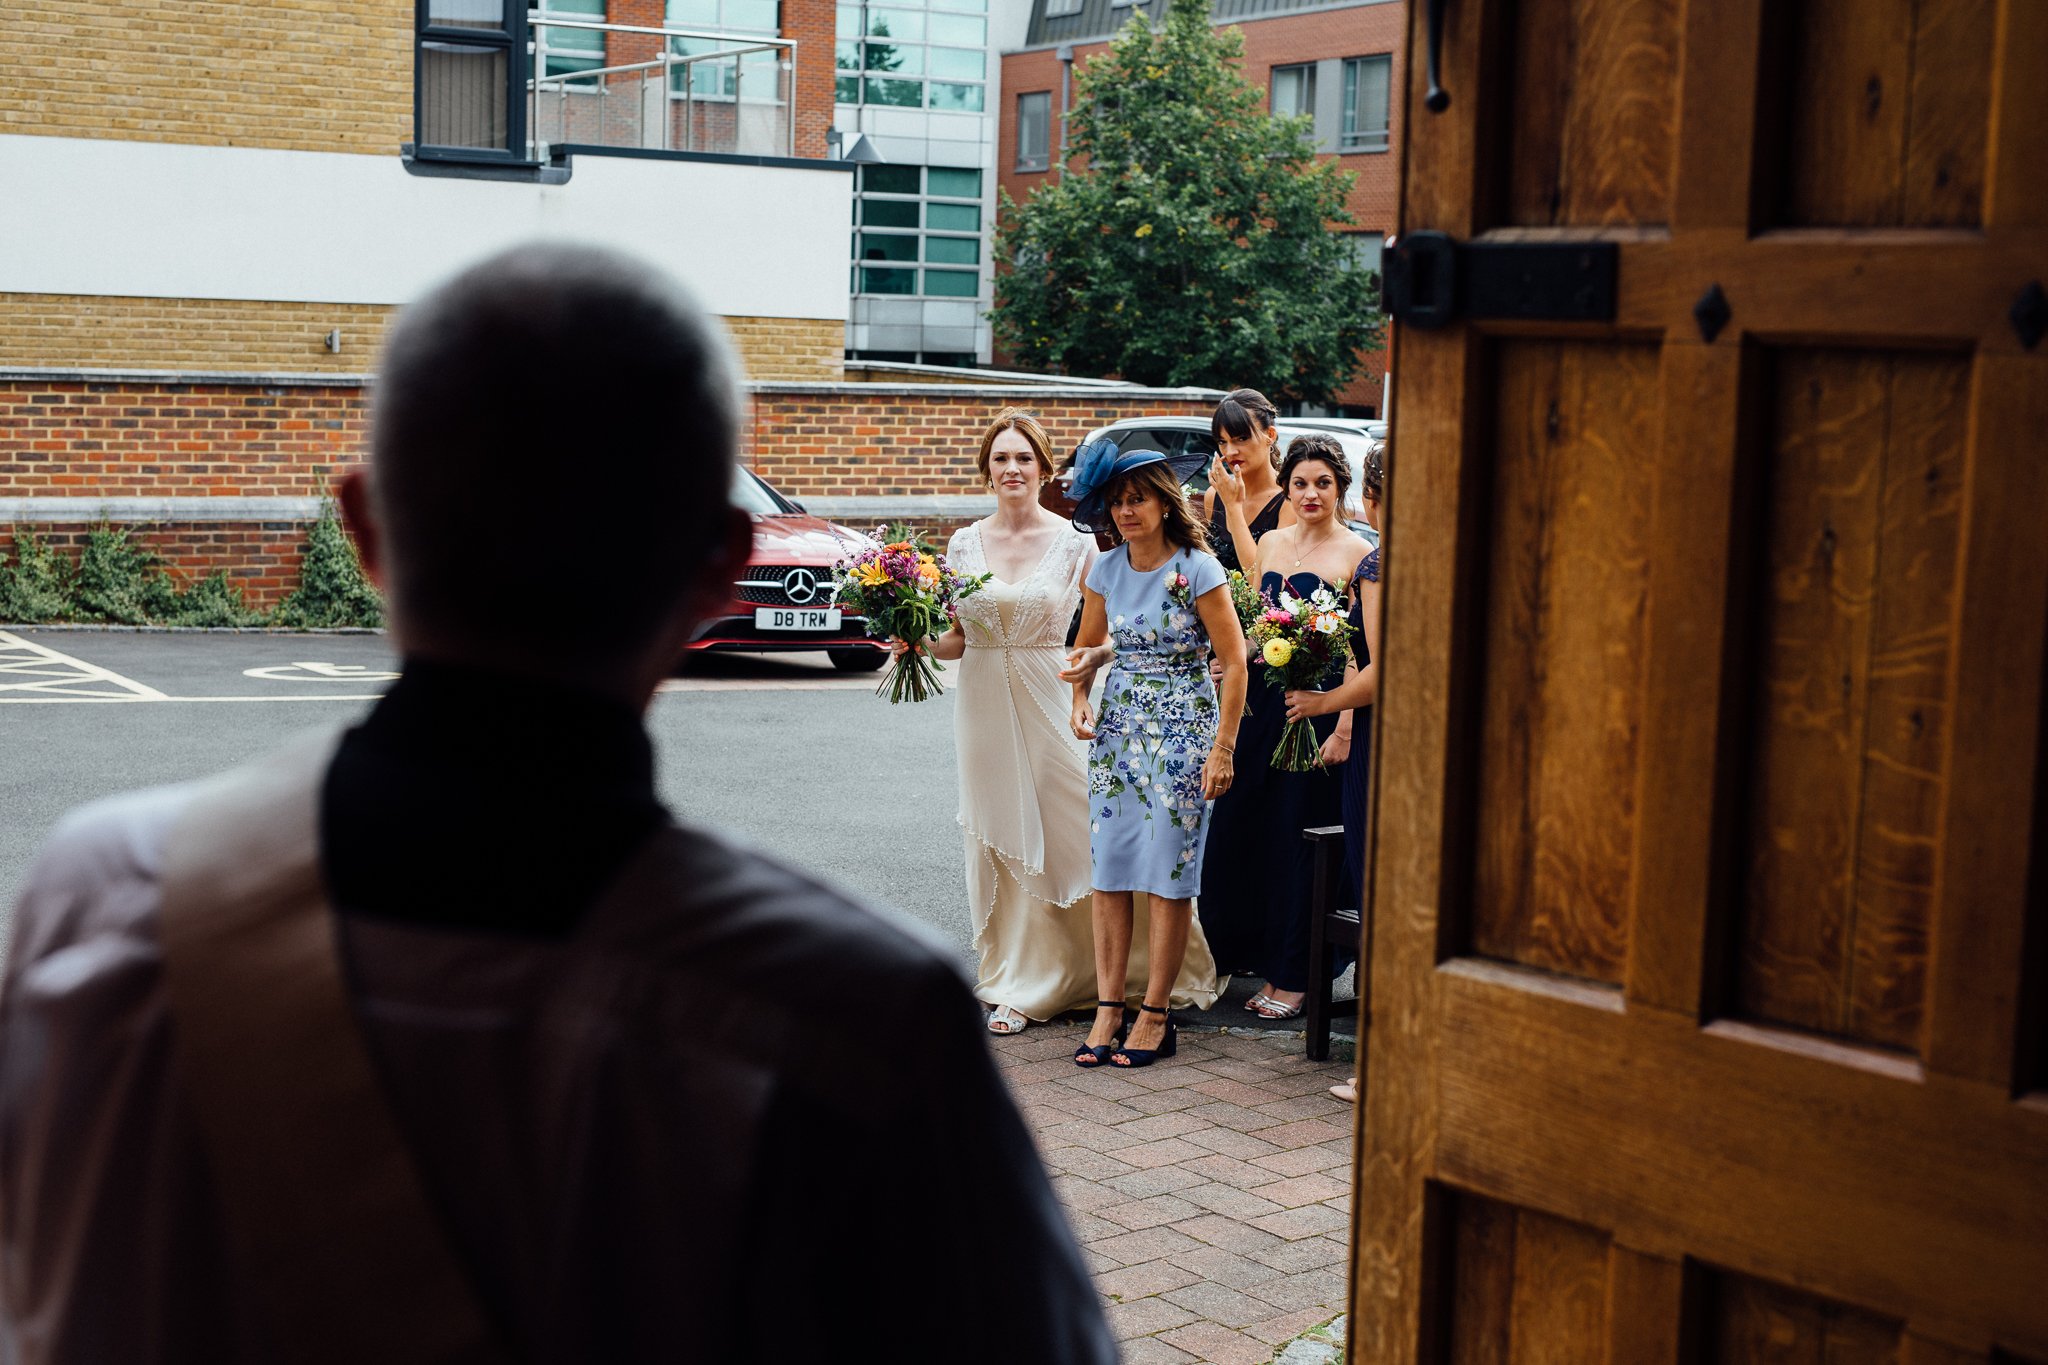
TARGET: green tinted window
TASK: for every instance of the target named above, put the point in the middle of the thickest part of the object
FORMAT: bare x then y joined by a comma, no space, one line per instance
961,29
846,90
907,24
907,94
889,179
888,213
956,98
960,63
846,56
700,14
953,183
849,21
888,246
896,58
759,16
953,250
887,281
952,284
953,217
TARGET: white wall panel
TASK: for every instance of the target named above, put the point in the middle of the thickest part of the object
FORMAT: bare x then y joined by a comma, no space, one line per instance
164,220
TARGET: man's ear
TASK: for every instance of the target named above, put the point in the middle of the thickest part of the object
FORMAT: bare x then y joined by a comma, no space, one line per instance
714,585
354,493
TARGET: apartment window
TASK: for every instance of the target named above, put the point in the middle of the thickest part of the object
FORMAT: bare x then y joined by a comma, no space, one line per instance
907,57
1058,9
756,72
917,231
1034,131
1294,90
562,51
465,107
1366,84
1366,249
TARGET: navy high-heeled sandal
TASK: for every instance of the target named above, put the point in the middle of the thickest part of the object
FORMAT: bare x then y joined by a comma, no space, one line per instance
1086,1056
1145,1056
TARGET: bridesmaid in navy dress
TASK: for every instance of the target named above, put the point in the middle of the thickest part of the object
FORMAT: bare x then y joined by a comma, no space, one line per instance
1244,500
1256,885
1352,701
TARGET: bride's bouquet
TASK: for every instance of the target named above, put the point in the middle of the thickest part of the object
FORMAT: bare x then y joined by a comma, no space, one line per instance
905,589
1300,639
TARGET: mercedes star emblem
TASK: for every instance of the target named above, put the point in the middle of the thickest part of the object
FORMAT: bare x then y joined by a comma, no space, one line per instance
800,586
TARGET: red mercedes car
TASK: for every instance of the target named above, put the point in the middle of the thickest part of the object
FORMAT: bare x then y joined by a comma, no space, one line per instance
784,598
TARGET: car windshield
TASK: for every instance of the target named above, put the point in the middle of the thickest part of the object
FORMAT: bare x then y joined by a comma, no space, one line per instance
751,494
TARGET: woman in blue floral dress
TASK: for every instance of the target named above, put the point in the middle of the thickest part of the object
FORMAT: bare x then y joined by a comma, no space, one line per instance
1163,747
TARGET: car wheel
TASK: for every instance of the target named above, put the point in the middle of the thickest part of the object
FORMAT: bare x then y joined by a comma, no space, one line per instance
856,659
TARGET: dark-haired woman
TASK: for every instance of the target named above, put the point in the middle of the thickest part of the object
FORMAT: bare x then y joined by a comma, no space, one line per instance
1351,701
1255,893
1244,501
1163,746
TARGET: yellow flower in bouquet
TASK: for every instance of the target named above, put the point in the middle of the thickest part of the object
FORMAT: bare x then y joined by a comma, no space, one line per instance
927,569
1277,653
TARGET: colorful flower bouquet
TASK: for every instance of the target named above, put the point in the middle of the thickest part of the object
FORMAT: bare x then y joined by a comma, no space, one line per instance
1250,606
905,589
1300,640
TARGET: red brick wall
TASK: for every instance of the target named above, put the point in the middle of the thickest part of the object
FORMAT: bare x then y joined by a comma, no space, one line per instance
827,443
811,24
260,558
1358,31
143,440
176,440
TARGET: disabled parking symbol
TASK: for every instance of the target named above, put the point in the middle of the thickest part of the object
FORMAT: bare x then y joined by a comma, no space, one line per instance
319,672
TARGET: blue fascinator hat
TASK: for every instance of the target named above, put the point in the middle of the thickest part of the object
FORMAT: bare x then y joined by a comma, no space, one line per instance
1099,464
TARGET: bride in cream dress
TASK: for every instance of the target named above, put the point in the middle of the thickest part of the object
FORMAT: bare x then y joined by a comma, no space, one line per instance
1023,776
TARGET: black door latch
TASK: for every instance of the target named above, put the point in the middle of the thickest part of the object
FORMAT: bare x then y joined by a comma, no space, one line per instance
1429,280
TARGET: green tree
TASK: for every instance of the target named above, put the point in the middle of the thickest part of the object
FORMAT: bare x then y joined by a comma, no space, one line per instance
1187,240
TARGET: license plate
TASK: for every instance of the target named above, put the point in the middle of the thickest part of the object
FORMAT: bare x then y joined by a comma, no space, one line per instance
796,618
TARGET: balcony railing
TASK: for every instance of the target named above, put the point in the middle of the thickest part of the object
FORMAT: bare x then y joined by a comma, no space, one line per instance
659,89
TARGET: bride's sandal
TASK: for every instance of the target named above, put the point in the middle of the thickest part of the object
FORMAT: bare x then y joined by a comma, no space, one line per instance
1145,1056
1005,1020
1087,1056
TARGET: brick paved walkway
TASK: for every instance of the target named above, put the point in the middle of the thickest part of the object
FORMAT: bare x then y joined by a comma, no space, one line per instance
1211,1193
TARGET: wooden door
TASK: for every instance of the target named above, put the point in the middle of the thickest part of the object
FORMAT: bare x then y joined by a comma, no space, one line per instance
1709,911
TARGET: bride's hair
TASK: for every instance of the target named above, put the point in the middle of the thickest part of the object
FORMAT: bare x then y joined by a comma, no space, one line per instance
1025,425
1179,522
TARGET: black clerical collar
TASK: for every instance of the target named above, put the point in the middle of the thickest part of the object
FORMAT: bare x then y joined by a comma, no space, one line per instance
440,714
480,800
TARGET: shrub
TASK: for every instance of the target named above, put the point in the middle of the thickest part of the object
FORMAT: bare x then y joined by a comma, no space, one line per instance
332,590
36,584
120,581
213,601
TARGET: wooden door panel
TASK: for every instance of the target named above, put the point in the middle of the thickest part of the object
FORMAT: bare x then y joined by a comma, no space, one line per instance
1568,536
1762,1151
1882,107
1859,542
1593,119
1752,1322
1709,882
1523,1287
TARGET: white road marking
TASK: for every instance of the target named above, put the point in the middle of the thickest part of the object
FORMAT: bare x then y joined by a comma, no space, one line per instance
763,685
36,673
319,672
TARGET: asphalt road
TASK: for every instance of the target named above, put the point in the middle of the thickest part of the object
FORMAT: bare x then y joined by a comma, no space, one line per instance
781,751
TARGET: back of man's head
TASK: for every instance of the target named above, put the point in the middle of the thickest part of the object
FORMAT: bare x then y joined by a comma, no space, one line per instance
553,447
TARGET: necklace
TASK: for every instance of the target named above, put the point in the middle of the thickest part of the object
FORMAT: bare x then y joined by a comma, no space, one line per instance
1311,549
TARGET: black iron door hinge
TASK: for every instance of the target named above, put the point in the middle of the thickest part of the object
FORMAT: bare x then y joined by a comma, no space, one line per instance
1430,280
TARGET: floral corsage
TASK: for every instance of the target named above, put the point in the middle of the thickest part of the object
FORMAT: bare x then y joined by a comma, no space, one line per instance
1180,590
